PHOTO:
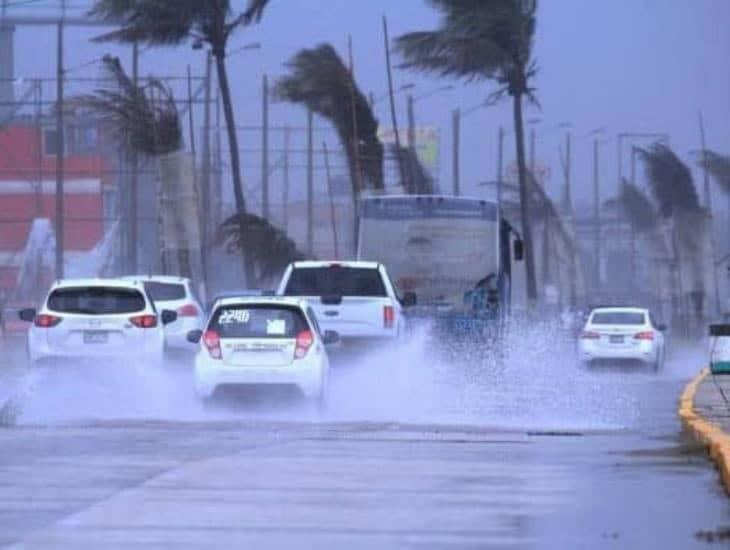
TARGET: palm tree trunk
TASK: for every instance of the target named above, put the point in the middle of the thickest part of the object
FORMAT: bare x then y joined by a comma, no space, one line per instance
524,206
225,90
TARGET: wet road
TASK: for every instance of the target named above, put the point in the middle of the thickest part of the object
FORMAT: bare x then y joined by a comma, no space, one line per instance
412,452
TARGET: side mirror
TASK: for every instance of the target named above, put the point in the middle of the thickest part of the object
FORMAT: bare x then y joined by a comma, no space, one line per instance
661,327
168,316
194,336
331,338
27,315
409,299
518,250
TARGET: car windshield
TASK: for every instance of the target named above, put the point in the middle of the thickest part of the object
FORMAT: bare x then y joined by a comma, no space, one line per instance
618,318
258,321
96,300
335,281
162,292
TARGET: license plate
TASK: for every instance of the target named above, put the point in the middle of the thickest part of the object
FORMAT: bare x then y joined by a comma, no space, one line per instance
95,337
616,339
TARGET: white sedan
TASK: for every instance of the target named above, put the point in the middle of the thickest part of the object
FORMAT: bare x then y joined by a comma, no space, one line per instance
105,319
262,341
622,333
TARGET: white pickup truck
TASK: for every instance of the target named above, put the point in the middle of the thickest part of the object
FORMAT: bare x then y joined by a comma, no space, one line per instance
355,299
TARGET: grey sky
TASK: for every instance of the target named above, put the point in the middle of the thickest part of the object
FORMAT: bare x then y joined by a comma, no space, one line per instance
627,65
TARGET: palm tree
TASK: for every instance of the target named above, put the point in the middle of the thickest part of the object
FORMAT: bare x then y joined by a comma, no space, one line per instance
270,249
485,40
319,80
678,205
158,22
636,206
718,167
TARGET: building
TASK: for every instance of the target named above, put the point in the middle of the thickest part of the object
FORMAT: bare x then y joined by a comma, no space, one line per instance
28,151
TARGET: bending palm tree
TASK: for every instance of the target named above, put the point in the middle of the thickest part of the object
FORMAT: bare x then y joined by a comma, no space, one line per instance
171,23
492,40
319,80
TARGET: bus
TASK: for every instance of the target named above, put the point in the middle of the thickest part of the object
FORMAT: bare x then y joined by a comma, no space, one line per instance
458,256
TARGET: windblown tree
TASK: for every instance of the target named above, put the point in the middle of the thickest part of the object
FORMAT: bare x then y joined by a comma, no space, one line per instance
270,248
718,166
678,208
320,81
486,40
163,23
418,181
636,207
143,119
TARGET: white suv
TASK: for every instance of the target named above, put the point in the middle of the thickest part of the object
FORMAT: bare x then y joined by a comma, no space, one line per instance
355,299
175,294
96,319
262,341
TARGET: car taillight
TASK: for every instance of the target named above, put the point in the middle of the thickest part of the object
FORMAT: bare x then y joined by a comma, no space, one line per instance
46,321
645,335
212,342
388,317
589,335
188,310
144,321
305,339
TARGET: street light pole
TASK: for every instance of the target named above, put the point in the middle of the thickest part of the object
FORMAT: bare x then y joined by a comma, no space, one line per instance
456,139
60,152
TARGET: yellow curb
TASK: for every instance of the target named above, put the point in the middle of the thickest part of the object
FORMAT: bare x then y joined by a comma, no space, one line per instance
716,440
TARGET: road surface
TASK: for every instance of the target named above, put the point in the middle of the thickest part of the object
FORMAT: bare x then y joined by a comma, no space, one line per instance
412,452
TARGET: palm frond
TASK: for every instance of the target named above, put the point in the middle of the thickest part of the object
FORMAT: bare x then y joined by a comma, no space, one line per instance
143,118
476,39
149,21
319,80
718,166
268,246
636,206
670,180
254,11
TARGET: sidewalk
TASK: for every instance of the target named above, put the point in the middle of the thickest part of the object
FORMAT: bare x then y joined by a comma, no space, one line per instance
706,414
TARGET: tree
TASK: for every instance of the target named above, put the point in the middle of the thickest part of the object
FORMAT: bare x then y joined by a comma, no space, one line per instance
161,23
636,207
270,249
319,80
678,206
486,40
718,166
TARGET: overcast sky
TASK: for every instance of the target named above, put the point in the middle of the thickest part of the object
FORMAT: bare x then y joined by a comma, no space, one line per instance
625,65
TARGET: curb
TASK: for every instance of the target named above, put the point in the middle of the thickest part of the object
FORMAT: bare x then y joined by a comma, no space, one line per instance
716,440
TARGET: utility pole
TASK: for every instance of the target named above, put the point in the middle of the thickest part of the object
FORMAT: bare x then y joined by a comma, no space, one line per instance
705,173
568,166
133,212
310,183
455,144
500,170
285,198
632,229
357,176
596,216
708,205
333,217
265,149
411,124
218,206
393,117
205,169
532,153
60,146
